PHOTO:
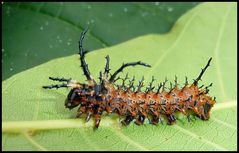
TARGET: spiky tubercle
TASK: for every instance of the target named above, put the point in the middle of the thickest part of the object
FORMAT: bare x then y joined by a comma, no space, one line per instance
138,105
130,102
154,105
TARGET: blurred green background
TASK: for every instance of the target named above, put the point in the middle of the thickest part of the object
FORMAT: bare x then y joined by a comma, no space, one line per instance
33,33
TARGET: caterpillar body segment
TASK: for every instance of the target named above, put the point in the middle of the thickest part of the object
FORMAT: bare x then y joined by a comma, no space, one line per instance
129,101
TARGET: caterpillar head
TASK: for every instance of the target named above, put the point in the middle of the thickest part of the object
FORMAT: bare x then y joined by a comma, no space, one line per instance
78,96
82,94
73,98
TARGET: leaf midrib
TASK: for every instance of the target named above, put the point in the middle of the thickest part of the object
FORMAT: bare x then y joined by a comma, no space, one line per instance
122,136
14,126
110,122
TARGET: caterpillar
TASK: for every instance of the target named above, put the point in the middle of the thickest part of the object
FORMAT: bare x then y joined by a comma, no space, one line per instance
130,102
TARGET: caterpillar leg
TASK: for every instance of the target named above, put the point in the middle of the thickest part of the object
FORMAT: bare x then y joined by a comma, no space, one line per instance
127,120
81,110
155,117
171,119
97,120
108,109
88,116
140,120
185,113
154,120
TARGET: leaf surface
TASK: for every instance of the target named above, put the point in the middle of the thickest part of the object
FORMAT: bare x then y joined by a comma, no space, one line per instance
32,29
35,119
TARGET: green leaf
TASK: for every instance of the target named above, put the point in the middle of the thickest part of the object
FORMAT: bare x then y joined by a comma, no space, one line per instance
30,30
35,119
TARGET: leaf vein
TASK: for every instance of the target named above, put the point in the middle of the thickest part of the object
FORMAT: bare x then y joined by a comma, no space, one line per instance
167,51
127,139
221,31
224,123
89,142
202,139
32,141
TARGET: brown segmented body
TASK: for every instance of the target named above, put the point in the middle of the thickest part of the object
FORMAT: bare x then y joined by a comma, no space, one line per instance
157,104
95,98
